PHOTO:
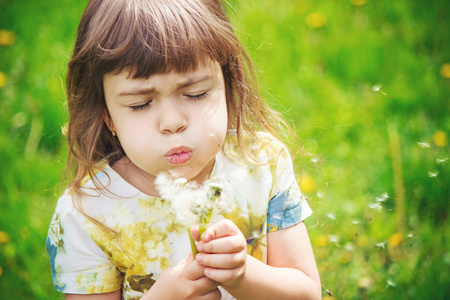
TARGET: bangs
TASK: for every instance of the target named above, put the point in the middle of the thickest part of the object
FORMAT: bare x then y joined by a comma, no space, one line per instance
158,36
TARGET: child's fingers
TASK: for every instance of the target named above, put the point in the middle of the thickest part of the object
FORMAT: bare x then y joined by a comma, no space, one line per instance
222,261
229,244
223,228
195,233
226,277
193,269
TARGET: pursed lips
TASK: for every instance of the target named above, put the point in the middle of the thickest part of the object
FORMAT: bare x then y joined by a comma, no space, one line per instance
179,155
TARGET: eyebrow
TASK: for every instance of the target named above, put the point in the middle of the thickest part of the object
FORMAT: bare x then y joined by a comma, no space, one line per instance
187,83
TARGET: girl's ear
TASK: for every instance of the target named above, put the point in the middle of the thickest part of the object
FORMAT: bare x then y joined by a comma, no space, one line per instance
107,119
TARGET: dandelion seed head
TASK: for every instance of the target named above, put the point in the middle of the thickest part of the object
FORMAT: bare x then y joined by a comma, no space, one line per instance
315,159
193,203
423,145
376,87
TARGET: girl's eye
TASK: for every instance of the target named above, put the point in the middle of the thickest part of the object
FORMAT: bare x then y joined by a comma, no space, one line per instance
141,107
197,97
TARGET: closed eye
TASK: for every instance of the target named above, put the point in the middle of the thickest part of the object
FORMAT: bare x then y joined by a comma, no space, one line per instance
141,107
197,97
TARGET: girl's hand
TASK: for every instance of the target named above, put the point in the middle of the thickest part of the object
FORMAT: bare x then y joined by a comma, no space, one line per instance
223,251
185,280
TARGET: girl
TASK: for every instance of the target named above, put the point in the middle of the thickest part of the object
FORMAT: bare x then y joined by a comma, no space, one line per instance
165,87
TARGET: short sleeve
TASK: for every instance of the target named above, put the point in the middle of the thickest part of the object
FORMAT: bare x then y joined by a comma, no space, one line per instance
287,205
78,265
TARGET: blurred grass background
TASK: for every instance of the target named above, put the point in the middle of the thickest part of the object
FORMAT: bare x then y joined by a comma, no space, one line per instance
374,162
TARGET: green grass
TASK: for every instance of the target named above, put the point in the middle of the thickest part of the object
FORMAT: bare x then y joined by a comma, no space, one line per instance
322,79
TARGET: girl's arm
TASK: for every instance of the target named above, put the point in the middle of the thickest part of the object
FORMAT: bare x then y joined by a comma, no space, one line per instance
108,296
291,272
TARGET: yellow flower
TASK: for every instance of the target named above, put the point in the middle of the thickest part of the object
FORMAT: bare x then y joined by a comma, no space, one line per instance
4,237
321,241
7,38
440,138
2,79
316,20
359,2
362,241
307,184
395,240
445,70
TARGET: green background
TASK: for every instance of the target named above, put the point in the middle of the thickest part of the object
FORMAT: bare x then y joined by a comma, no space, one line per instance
372,165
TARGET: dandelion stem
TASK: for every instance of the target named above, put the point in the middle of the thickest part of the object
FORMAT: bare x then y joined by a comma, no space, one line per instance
193,247
394,143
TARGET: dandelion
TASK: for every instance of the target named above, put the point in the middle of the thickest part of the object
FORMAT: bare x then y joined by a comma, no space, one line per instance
2,79
194,204
440,138
423,145
377,88
316,20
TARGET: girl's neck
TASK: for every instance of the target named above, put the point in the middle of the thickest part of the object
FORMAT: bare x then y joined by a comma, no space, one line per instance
144,181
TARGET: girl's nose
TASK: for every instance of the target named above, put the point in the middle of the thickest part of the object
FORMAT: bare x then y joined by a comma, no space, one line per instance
173,118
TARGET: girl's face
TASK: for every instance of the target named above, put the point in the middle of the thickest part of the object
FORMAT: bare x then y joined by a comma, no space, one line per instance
173,122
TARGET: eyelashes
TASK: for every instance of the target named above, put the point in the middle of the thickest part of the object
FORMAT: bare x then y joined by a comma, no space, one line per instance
147,104
141,107
197,97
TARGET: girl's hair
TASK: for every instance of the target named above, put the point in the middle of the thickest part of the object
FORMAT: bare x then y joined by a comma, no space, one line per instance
149,37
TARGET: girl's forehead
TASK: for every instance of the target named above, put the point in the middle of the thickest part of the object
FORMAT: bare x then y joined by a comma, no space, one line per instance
124,80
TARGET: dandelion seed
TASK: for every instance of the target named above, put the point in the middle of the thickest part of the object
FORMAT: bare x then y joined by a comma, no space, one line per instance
391,283
331,216
382,198
377,88
441,160
334,238
381,245
355,222
349,247
320,195
315,159
376,206
423,145
433,174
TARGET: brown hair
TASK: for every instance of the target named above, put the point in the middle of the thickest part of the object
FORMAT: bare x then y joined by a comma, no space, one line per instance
153,37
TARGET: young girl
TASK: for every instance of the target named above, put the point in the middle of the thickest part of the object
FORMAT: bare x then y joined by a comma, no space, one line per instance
165,87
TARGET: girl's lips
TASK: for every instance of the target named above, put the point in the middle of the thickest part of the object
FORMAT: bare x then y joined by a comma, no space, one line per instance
179,155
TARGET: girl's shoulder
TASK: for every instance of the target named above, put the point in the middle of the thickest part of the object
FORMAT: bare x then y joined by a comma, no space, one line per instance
262,146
